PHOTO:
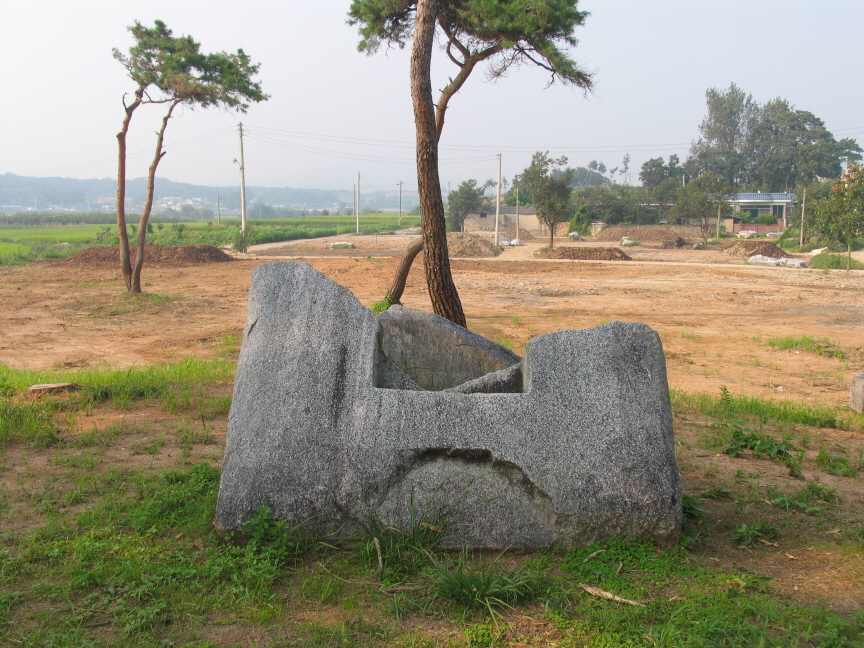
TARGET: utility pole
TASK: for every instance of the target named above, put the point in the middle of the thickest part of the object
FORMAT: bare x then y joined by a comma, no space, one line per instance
803,208
242,194
400,203
517,212
498,201
719,207
358,202
219,209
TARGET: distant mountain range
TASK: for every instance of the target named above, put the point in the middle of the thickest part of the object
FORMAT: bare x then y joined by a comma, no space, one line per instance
42,194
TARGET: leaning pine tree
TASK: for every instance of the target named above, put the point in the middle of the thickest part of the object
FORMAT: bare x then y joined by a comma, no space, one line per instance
172,71
505,33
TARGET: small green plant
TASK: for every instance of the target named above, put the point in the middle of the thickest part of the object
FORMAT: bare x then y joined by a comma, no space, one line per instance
275,538
746,582
690,507
717,492
689,336
746,536
835,464
383,305
814,499
483,584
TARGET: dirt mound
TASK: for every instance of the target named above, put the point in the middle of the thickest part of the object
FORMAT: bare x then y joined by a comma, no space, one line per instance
153,255
660,237
510,232
583,254
460,244
750,248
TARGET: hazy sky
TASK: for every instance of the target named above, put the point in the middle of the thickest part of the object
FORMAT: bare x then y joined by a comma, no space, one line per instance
334,112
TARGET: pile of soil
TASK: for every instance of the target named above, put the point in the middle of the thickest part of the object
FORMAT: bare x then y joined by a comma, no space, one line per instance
166,255
654,237
460,244
748,248
510,233
583,253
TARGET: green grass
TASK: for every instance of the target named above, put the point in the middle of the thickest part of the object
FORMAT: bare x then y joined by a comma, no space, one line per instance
182,387
19,245
727,405
822,346
827,261
100,553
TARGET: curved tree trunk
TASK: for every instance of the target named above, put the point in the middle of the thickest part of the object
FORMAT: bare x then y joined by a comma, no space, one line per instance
398,285
442,290
125,264
148,205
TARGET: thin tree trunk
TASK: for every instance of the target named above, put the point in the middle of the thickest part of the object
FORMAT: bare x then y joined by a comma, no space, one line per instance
551,236
148,205
125,265
398,285
439,280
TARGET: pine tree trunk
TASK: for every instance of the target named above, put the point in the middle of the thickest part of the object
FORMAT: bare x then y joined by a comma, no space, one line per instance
125,264
398,285
148,205
439,280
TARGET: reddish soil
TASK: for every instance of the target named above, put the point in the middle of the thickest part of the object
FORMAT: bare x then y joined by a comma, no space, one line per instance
749,248
583,253
164,255
715,316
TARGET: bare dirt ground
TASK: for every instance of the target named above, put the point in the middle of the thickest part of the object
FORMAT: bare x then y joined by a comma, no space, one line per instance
714,313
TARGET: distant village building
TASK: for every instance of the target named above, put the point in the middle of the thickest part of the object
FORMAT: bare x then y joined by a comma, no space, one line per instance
485,220
749,206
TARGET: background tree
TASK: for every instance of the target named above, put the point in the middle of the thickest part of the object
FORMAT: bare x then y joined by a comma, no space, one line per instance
840,216
788,147
467,198
550,191
178,73
703,198
723,133
654,172
506,33
770,147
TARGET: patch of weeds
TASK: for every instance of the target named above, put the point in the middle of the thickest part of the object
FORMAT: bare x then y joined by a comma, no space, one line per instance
727,405
690,507
689,336
746,536
824,346
383,305
717,492
483,584
28,420
506,342
813,499
756,362
275,538
835,464
746,582
152,447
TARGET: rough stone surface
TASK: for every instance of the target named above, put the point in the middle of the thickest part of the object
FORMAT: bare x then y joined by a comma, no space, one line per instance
856,393
323,430
436,353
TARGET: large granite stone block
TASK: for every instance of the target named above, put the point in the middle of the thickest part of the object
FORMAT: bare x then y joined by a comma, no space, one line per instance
570,444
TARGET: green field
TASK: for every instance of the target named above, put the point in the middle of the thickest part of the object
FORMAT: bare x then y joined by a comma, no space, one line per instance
19,245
